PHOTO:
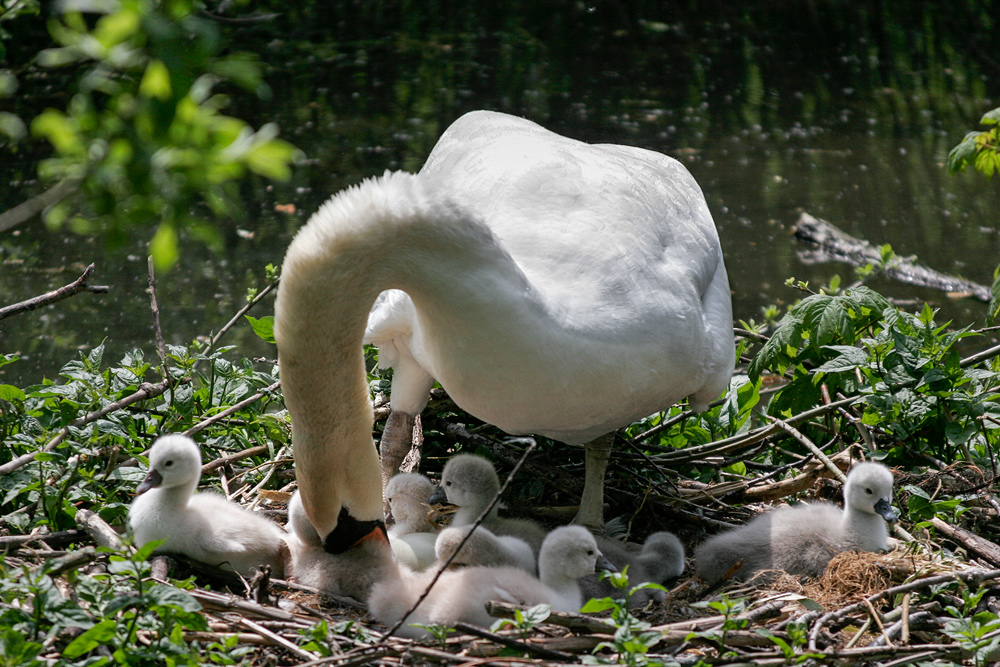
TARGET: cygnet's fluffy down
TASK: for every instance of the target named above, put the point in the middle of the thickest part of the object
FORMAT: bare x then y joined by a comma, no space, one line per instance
659,559
461,595
202,526
801,540
412,536
351,573
470,482
484,548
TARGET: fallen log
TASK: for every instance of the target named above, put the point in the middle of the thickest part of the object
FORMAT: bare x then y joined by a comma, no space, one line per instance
830,244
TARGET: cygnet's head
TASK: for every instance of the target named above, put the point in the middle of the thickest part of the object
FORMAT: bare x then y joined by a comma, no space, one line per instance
174,460
408,495
466,480
869,489
572,551
299,523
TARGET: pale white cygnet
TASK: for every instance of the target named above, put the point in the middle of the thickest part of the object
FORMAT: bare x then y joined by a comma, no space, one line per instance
569,552
484,548
351,573
801,540
202,526
413,535
470,482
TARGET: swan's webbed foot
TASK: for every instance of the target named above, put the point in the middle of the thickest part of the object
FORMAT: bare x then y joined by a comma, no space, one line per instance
591,512
351,532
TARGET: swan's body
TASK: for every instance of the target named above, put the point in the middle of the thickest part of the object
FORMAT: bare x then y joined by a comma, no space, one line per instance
484,548
202,526
801,540
412,536
550,286
461,595
352,573
470,482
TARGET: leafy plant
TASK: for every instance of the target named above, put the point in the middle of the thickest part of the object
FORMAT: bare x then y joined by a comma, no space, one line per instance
730,609
524,621
633,638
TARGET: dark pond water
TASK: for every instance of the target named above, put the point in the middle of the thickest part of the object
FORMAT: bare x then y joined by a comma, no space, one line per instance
846,112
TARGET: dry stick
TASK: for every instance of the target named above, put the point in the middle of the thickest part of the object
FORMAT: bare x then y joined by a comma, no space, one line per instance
540,651
975,576
240,313
232,409
29,209
102,533
810,445
362,656
64,292
275,638
161,348
489,508
878,621
146,391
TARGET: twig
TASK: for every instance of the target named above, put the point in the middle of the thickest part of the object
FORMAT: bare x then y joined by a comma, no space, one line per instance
278,639
540,651
64,292
232,409
489,508
161,348
240,313
145,391
104,535
29,209
232,458
811,446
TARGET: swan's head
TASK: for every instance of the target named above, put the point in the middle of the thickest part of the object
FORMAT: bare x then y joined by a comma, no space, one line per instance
869,489
572,551
408,495
174,460
467,480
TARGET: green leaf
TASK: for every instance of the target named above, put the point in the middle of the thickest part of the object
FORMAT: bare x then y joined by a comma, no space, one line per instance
850,357
156,81
960,155
991,117
10,393
99,635
163,247
597,605
263,327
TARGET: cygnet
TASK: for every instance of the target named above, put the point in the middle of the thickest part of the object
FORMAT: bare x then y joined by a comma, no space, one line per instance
659,559
484,548
351,573
470,482
461,595
412,536
801,540
202,526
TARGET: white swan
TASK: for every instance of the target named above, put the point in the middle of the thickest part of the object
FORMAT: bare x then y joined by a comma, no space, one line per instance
203,526
801,540
484,548
550,286
351,573
461,595
412,536
470,482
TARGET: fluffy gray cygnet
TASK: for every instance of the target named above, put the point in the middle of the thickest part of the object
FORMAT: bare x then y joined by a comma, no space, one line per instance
484,548
801,540
351,573
659,559
470,482
412,535
568,553
202,526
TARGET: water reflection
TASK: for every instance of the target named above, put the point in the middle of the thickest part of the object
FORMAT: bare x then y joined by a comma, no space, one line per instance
846,112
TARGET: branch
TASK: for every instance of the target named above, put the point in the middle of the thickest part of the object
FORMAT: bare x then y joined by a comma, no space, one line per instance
29,209
75,287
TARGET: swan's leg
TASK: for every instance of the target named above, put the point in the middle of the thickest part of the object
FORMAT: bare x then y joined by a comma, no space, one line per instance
591,513
396,440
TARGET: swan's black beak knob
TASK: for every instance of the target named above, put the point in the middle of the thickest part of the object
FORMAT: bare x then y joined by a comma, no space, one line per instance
884,509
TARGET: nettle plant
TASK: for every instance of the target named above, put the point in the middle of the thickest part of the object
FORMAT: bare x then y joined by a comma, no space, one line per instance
904,368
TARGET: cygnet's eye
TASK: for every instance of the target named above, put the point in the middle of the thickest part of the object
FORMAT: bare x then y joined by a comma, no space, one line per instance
868,491
447,483
590,552
168,463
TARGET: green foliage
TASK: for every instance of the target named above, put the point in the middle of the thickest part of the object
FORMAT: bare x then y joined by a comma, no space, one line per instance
730,609
524,621
143,139
981,149
978,634
633,637
263,327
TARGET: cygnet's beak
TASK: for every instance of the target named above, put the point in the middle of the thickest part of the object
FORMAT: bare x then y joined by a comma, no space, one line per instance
604,564
438,497
884,509
152,480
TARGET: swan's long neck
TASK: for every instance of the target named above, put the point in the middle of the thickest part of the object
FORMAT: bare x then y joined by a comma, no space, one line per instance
385,233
